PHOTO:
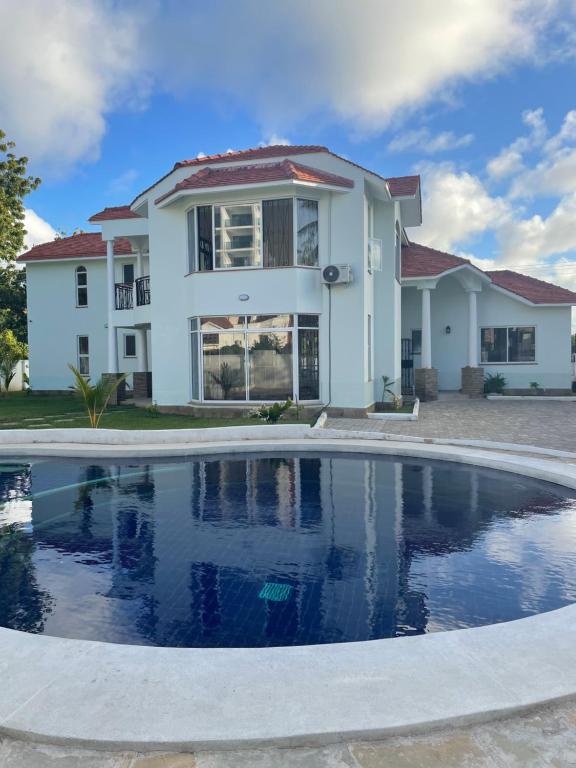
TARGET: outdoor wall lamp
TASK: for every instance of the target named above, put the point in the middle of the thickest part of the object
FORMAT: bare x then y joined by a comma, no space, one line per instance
448,330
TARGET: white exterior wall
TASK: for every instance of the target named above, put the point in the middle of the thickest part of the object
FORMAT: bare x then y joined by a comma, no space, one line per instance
55,322
449,307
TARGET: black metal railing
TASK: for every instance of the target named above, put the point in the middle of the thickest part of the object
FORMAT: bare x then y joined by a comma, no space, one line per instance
143,290
124,296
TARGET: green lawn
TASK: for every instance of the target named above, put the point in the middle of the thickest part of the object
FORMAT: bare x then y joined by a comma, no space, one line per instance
21,411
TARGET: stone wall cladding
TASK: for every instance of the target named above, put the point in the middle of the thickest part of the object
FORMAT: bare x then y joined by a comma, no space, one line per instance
473,381
426,384
119,393
142,383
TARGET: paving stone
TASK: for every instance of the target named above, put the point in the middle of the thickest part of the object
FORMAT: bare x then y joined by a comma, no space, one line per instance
337,756
164,761
456,750
546,425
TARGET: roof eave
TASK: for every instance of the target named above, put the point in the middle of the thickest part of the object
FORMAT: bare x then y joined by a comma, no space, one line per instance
524,300
171,197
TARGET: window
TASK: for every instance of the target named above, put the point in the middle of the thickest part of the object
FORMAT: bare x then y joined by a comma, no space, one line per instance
398,254
270,233
514,344
81,287
83,355
417,341
277,233
192,239
128,274
250,357
307,233
129,345
237,236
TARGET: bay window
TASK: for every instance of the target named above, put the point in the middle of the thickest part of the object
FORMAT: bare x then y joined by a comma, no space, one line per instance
251,357
509,344
261,234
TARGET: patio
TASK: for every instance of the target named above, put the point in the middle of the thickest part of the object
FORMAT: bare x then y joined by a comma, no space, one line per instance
547,424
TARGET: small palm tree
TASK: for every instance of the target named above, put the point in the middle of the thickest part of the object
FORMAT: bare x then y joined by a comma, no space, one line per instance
387,387
96,396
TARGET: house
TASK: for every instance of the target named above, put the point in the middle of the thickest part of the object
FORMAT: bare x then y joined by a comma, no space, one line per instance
212,288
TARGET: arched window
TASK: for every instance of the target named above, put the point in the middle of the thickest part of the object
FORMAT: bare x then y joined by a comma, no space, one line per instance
81,287
398,254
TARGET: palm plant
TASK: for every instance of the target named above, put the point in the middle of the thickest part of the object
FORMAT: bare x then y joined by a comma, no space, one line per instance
228,378
96,396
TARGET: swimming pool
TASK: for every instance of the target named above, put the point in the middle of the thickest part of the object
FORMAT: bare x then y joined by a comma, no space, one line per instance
260,550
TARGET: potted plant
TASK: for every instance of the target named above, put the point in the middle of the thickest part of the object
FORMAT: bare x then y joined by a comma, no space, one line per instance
494,384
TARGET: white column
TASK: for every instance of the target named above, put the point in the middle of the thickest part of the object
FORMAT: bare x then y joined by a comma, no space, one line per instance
111,282
426,361
472,330
139,268
144,348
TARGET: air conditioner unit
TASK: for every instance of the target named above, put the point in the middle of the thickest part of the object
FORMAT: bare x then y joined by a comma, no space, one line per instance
337,273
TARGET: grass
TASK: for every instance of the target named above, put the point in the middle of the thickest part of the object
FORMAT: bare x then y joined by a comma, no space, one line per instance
21,411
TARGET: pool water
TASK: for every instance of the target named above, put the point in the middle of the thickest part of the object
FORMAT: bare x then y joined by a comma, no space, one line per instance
254,550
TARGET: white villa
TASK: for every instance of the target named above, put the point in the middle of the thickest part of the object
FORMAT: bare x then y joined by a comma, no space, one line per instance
278,272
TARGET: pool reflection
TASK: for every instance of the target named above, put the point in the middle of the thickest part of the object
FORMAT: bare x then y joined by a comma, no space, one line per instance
190,553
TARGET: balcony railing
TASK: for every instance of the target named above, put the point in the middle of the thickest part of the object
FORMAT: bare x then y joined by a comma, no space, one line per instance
143,290
124,296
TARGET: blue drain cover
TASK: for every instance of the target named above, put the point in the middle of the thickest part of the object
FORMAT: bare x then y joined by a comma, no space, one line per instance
276,592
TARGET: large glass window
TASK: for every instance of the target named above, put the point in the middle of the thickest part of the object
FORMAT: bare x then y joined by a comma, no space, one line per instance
237,235
515,344
81,287
307,232
270,233
223,357
250,357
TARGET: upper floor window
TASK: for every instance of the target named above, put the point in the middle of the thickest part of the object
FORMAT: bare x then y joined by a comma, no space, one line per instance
269,233
508,345
81,287
128,274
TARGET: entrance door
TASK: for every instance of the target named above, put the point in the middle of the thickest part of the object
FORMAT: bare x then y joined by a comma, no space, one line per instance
407,368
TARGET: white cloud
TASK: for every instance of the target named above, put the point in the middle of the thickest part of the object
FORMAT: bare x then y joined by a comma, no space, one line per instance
421,140
123,184
275,140
510,160
37,229
456,207
65,64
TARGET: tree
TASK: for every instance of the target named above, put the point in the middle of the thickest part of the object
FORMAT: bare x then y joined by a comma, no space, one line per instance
11,352
13,301
96,396
15,184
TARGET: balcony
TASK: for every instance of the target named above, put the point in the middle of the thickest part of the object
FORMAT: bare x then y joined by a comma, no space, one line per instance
143,291
124,296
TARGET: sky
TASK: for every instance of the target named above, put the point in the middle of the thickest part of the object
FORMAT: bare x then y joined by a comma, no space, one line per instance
478,96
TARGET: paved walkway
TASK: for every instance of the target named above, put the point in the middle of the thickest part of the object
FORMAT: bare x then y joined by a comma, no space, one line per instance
545,739
546,425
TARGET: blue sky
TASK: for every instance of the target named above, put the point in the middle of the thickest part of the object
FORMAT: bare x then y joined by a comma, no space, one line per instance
476,95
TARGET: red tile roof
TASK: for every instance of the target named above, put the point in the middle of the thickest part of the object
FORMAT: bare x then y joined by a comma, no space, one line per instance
287,170
84,245
116,212
257,153
421,261
536,291
404,186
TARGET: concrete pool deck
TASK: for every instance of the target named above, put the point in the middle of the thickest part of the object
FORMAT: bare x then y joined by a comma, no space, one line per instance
118,697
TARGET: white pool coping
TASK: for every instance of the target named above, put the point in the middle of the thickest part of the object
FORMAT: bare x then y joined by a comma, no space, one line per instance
110,696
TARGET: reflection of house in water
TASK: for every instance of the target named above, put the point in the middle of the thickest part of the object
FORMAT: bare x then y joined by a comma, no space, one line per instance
182,551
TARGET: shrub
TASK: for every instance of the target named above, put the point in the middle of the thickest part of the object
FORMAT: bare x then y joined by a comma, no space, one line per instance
494,384
96,396
11,352
271,414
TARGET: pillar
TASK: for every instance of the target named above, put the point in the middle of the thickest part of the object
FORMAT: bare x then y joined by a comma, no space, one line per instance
426,377
472,374
111,283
